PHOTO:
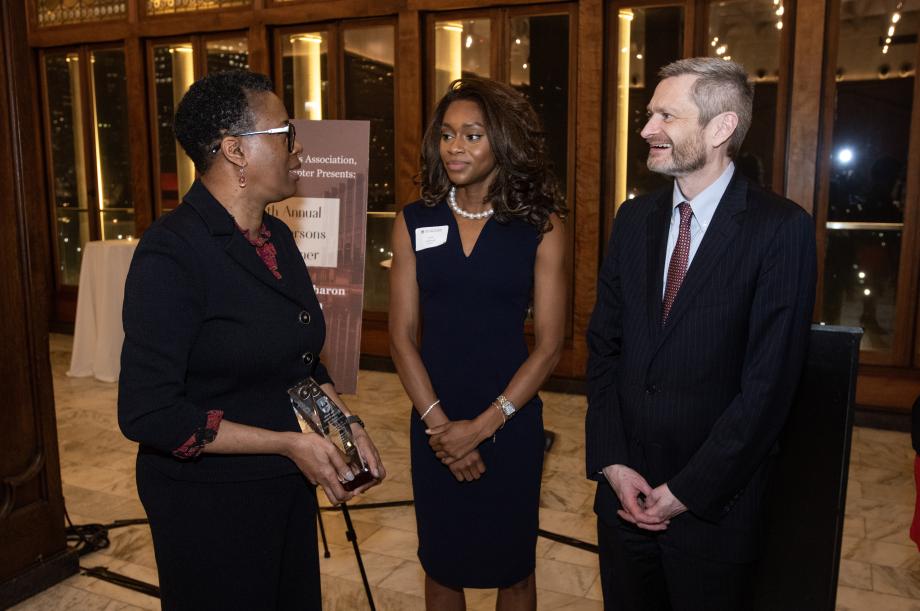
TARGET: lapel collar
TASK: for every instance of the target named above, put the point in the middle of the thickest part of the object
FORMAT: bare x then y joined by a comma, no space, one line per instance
721,231
215,216
222,226
290,264
658,223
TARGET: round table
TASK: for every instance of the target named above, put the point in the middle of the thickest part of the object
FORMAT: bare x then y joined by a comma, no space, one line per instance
98,333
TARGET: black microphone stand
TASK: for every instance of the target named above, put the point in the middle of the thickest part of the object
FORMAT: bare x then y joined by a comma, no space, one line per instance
352,536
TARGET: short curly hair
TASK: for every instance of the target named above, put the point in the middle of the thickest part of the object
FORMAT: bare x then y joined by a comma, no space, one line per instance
213,107
524,186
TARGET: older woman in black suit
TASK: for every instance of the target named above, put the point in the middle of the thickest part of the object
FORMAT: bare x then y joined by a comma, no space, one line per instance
220,320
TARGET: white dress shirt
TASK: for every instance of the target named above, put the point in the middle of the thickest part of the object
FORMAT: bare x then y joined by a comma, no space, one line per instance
704,207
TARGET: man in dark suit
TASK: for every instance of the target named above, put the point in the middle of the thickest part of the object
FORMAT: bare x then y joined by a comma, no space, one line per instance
695,345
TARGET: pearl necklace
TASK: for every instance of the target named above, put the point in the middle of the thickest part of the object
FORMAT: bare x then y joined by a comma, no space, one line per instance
473,216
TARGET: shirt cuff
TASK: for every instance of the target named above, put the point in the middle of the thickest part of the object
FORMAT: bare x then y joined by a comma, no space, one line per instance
195,444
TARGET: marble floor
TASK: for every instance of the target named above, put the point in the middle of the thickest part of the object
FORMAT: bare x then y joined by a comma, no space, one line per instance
880,570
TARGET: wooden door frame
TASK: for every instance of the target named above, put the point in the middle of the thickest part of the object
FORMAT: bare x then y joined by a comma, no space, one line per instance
33,550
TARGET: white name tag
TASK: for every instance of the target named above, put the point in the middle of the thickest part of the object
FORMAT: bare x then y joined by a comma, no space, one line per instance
429,237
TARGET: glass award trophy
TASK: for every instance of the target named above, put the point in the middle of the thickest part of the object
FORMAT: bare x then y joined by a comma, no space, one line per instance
317,412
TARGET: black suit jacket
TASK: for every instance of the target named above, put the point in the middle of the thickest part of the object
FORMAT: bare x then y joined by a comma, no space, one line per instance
208,327
699,403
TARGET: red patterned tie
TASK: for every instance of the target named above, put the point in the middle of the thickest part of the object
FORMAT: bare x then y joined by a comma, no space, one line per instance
677,268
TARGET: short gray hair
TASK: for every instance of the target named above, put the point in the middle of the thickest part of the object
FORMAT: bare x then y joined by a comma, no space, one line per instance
722,86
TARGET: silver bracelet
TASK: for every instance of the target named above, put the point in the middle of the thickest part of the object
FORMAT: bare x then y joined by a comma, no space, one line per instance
498,406
430,407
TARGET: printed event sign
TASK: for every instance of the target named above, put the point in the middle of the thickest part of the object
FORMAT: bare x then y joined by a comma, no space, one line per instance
328,217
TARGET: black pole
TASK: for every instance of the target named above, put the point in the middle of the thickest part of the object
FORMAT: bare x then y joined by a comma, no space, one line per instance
353,537
322,529
566,540
380,505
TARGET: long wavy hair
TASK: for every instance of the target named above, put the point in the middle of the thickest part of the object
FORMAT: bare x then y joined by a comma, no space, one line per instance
524,186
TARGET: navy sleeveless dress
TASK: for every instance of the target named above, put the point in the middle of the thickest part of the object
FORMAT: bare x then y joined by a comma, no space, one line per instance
479,534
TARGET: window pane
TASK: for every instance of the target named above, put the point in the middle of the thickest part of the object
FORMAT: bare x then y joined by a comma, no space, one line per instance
647,40
229,54
377,264
462,47
539,68
750,32
868,167
68,162
61,12
173,66
166,7
110,119
860,283
65,109
305,75
118,224
369,60
72,235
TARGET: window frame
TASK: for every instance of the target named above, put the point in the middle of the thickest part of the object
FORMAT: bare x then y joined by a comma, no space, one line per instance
905,349
199,67
337,91
93,209
332,30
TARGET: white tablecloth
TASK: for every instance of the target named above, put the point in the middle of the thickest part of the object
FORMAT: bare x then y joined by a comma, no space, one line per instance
98,333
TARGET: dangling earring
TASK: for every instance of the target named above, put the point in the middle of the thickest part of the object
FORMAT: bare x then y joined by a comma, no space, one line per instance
242,179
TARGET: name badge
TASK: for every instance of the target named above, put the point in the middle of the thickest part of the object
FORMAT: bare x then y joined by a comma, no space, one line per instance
429,237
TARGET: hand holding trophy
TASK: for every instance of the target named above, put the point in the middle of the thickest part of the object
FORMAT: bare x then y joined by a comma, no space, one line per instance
317,412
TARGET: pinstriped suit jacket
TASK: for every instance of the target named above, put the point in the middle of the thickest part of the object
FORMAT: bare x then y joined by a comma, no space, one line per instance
699,403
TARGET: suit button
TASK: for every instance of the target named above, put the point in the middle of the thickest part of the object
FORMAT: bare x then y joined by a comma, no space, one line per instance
304,318
307,358
651,389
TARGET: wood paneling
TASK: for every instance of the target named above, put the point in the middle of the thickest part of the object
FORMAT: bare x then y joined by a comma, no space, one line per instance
259,59
31,503
805,119
139,135
409,114
585,220
887,388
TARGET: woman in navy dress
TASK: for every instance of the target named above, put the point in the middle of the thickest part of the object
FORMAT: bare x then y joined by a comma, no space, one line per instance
484,243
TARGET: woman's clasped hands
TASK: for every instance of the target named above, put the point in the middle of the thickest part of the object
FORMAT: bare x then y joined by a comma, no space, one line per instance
454,443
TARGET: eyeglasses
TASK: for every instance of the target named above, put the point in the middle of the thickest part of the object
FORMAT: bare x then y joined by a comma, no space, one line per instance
287,129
